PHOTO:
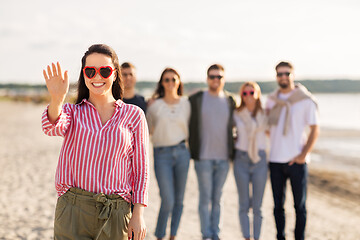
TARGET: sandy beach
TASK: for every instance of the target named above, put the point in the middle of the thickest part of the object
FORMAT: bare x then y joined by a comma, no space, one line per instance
28,159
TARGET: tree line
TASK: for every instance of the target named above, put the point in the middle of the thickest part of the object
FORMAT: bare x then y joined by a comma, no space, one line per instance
315,86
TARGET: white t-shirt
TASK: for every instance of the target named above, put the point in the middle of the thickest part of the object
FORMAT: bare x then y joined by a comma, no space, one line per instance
242,138
168,123
302,114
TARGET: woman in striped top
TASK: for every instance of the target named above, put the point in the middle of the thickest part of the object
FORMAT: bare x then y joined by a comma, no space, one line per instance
168,119
103,163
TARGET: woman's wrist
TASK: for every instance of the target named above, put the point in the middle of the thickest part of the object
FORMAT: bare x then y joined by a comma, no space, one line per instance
138,209
57,101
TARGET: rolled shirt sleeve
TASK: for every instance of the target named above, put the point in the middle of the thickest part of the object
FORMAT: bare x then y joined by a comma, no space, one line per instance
61,125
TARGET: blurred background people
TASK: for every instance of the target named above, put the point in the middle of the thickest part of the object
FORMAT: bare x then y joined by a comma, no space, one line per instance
128,76
168,118
291,111
211,146
250,166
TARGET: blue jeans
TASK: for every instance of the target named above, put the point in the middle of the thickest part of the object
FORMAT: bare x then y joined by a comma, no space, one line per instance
211,176
247,172
171,169
279,173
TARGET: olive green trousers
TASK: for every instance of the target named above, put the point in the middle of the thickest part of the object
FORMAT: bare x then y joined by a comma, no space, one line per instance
81,215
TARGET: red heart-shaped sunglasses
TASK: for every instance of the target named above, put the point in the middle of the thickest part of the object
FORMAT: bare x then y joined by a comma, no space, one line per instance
104,71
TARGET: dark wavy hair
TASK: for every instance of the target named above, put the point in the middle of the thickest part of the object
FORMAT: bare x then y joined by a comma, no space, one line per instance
117,88
160,91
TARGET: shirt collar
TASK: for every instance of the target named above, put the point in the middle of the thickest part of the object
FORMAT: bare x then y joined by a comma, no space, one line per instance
82,101
119,103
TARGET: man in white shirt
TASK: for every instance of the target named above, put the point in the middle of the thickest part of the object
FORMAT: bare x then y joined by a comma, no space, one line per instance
291,110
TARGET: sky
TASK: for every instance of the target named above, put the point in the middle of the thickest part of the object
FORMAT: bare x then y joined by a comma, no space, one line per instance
248,37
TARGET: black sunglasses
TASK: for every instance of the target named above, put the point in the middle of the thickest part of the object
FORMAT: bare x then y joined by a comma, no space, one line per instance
279,74
169,79
212,77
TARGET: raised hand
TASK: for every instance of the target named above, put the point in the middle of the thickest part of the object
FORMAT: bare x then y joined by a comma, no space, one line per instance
57,85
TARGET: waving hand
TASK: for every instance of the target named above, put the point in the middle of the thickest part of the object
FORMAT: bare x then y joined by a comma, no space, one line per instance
58,86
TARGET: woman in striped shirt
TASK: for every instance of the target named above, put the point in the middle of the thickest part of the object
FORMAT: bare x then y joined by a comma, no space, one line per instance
103,163
168,119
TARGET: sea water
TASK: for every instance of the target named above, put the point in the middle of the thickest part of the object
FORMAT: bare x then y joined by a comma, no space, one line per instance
339,111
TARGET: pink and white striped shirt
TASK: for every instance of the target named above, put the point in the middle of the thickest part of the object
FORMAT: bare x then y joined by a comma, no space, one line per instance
110,158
